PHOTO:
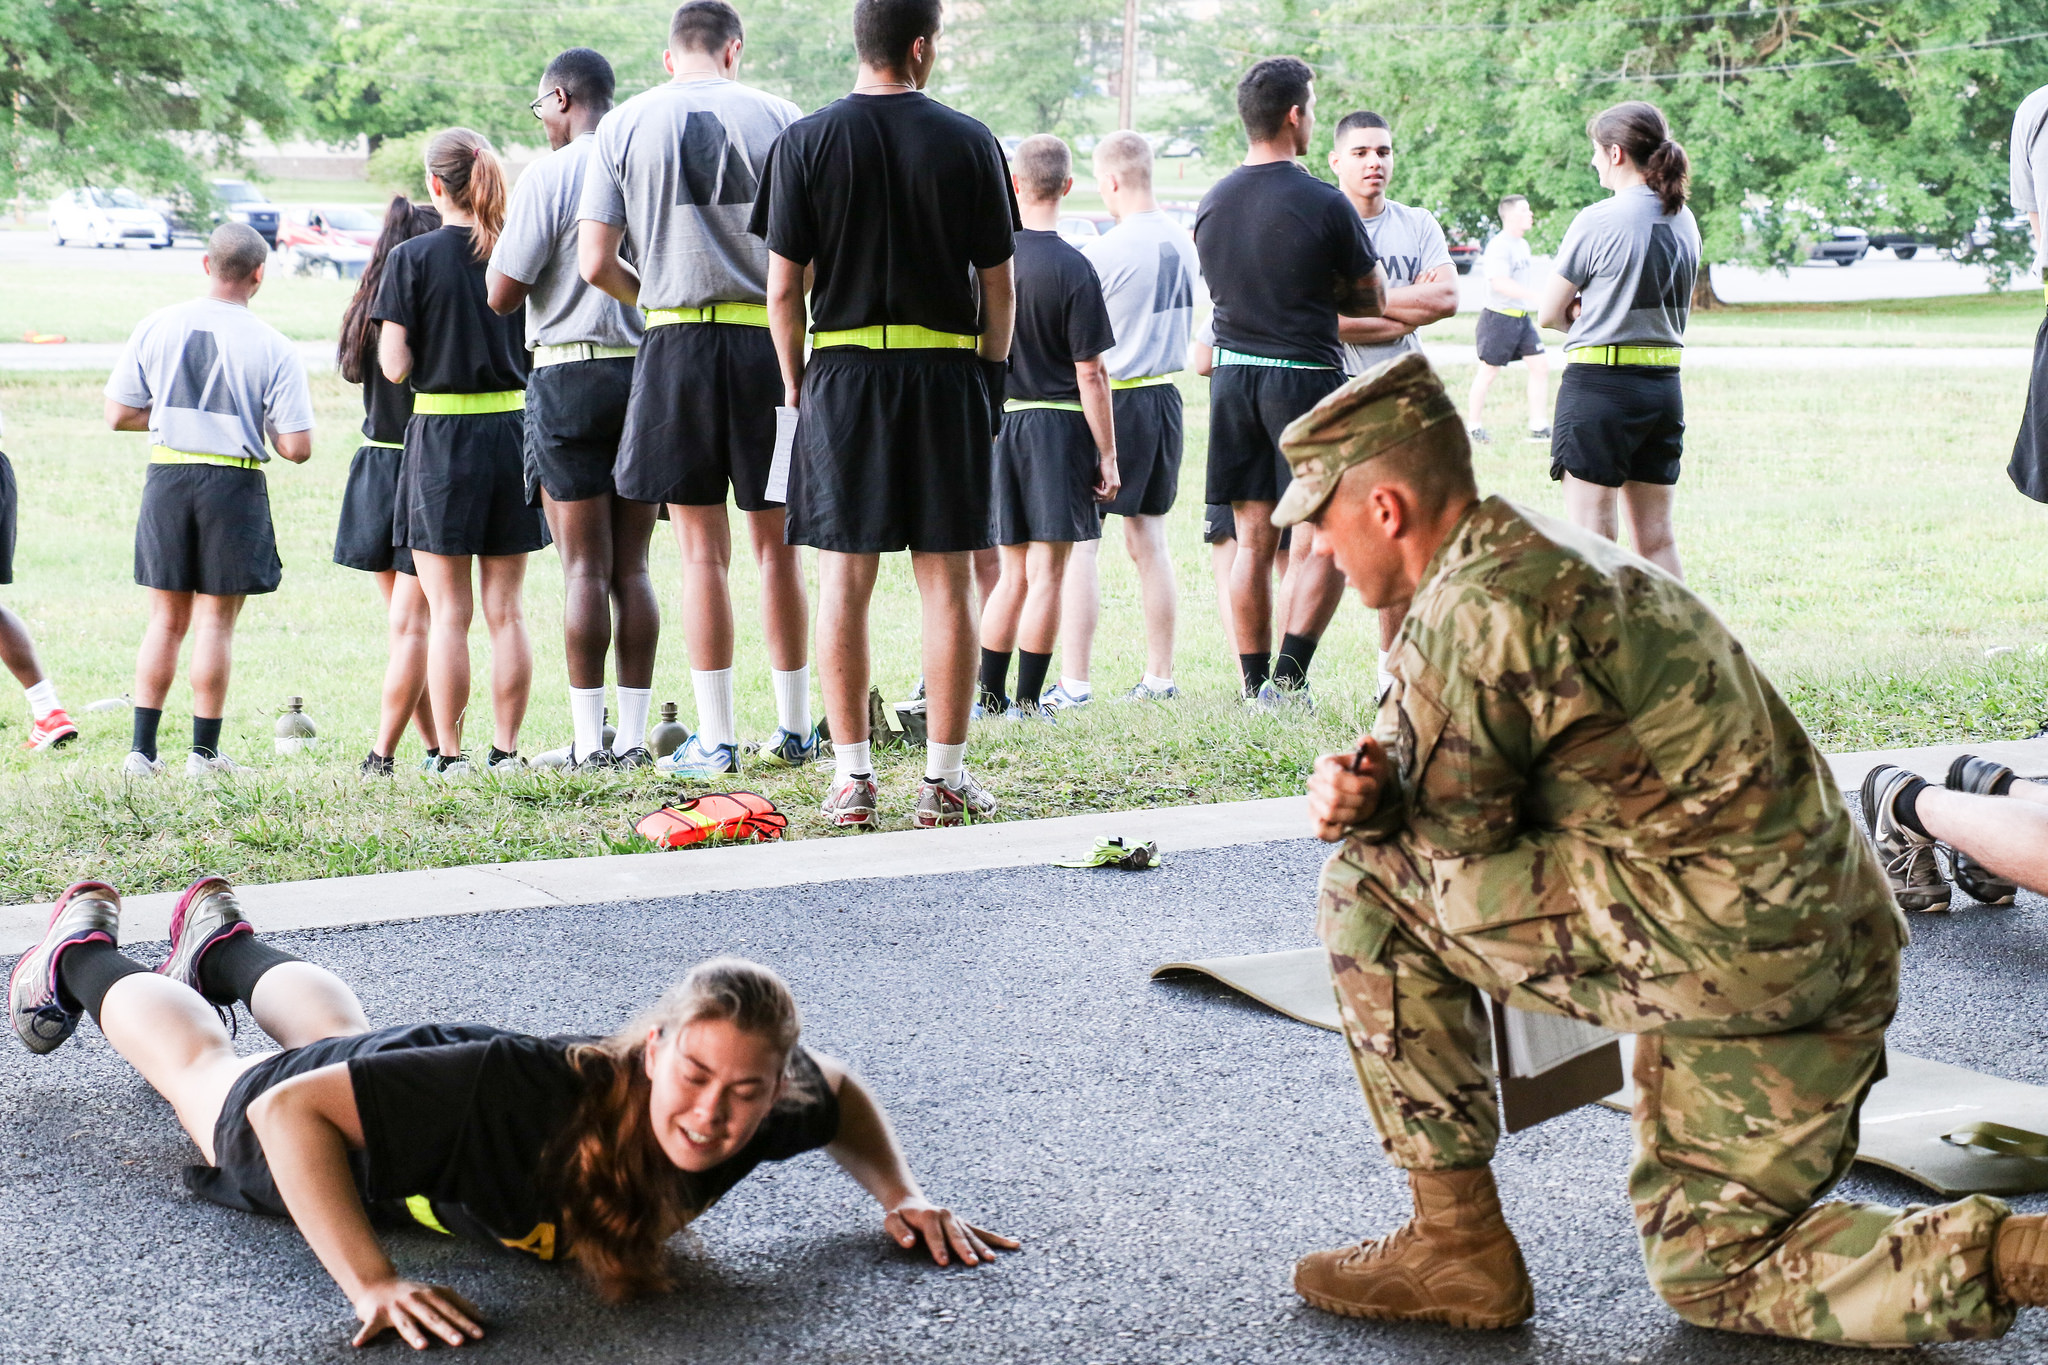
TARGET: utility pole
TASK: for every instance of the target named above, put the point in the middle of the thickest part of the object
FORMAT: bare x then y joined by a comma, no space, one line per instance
1127,93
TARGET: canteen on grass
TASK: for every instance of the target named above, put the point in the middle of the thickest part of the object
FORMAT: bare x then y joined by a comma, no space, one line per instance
294,729
668,735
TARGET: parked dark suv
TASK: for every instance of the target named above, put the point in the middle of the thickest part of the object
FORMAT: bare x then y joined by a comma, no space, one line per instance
244,203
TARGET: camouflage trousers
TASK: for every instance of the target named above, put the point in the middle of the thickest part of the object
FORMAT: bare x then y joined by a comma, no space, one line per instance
1745,1110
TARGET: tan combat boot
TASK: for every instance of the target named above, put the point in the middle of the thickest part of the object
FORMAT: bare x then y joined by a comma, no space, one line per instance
1454,1262
2019,1260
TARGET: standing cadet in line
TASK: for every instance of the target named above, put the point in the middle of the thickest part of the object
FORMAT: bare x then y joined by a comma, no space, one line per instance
462,484
206,379
363,539
1285,255
675,173
583,343
1152,282
1506,330
49,727
2028,167
1583,799
1056,460
899,208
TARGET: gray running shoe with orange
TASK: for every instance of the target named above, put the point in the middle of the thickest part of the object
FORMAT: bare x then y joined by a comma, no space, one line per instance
1980,777
207,913
1910,863
44,1016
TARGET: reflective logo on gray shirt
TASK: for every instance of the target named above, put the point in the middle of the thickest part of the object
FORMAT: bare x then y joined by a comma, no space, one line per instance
1152,282
1410,243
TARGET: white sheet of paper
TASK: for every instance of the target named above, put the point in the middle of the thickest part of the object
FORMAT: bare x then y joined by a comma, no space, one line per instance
778,467
1539,1042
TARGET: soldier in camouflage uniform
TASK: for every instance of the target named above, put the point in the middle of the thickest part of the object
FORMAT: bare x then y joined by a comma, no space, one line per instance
1582,798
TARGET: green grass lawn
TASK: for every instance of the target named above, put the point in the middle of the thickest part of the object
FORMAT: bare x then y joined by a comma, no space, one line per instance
91,305
1856,529
2007,319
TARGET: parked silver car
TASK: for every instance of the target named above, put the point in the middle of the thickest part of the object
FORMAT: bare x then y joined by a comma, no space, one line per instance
104,218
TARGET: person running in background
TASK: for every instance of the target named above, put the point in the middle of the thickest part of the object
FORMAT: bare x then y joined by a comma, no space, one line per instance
901,209
583,343
462,485
1152,283
206,379
1623,286
1507,325
675,171
584,1150
49,727
363,540
1284,255
1056,460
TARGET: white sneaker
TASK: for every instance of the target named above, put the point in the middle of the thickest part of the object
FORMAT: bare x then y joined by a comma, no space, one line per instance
1057,698
139,764
198,765
510,763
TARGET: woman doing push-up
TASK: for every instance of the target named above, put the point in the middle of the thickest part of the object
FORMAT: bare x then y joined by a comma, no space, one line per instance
593,1148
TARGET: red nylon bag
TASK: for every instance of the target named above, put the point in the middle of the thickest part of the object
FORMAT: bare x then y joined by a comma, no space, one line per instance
732,817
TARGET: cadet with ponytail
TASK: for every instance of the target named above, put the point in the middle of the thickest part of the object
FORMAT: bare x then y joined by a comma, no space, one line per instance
1623,288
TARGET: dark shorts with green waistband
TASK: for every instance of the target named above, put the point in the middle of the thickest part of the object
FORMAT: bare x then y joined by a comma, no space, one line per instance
206,528
1249,406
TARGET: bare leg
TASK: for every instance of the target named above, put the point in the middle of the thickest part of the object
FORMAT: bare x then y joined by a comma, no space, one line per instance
1158,595
785,606
213,651
503,580
299,1003
1251,577
451,602
156,663
704,536
582,530
1005,608
988,567
1590,506
846,583
636,607
945,592
1539,390
1482,382
405,673
1081,604
18,650
1315,588
1046,566
2009,835
1222,562
1648,509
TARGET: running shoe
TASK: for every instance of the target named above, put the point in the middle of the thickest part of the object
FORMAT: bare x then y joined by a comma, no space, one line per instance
562,759
697,761
451,768
1540,435
1274,695
1024,710
852,802
51,732
1057,698
598,761
207,913
219,765
940,805
429,762
1478,436
140,764
1143,693
1982,777
635,757
789,749
87,912
375,764
1909,860
506,763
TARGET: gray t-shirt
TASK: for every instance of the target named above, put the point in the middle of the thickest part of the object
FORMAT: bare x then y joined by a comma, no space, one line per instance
1152,282
1633,265
1410,244
679,167
214,377
538,248
1508,258
2030,155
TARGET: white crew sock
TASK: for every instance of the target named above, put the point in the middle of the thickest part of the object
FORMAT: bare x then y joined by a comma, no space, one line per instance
42,699
586,711
793,699
1157,684
634,703
851,760
945,763
714,705
1076,687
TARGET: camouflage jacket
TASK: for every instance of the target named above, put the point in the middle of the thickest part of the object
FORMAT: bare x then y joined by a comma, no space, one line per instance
1576,733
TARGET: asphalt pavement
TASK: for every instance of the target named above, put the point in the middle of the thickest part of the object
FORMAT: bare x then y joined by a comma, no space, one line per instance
1164,1150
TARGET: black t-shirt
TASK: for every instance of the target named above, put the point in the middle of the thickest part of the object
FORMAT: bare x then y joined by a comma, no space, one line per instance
1061,318
434,287
1275,243
386,406
897,200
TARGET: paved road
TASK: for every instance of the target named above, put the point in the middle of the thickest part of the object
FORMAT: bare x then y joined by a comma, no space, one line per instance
1166,1151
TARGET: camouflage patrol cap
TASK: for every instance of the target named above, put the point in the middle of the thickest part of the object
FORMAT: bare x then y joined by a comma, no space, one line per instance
1383,407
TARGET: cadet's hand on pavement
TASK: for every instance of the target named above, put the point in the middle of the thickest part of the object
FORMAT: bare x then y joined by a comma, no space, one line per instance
421,1313
1110,480
1339,795
943,1234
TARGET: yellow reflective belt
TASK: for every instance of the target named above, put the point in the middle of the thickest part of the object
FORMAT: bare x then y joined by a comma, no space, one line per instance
897,337
1146,382
165,455
422,1210
570,352
740,314
383,445
1023,404
1512,312
468,404
1663,357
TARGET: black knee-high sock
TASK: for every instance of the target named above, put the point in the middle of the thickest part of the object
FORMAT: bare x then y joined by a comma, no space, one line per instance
146,721
1031,670
206,736
1291,668
995,679
87,971
230,969
1254,669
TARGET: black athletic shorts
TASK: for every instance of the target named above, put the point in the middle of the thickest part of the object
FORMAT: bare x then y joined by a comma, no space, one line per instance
462,487
1148,449
363,540
1046,467
240,1176
702,416
1219,526
575,414
893,452
9,509
1617,424
206,528
2028,468
1249,406
1502,340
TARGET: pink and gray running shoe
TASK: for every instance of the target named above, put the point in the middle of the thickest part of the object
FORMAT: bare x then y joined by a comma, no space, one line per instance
87,912
207,913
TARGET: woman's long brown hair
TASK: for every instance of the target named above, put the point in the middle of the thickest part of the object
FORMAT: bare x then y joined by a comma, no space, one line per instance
356,355
1639,129
473,181
617,1192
